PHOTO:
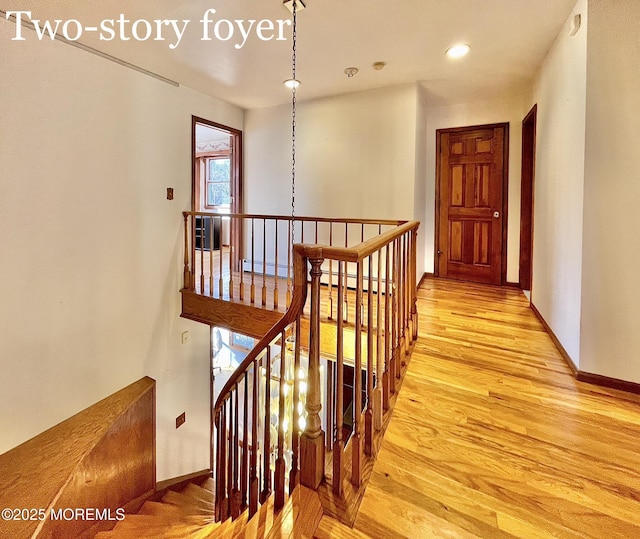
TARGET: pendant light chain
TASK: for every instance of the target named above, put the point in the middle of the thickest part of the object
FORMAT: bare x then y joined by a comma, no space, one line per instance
293,128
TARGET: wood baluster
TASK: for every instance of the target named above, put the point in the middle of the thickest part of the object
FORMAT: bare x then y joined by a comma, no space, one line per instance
228,457
233,454
280,465
201,248
400,290
289,262
387,337
338,444
231,251
240,234
368,419
378,411
316,235
264,262
398,297
266,449
312,440
253,259
255,418
330,314
220,464
244,469
346,275
211,246
356,440
224,464
362,233
221,265
295,437
394,319
414,282
186,275
405,298
275,271
329,403
194,268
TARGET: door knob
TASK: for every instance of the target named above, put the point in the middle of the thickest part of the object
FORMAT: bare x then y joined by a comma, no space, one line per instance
496,214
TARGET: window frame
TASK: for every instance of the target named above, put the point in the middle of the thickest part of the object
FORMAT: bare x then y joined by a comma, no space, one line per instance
207,160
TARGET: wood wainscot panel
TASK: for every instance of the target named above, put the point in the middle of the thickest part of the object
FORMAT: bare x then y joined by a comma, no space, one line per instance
85,468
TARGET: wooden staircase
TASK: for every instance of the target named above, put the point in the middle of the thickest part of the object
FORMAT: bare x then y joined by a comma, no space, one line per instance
189,514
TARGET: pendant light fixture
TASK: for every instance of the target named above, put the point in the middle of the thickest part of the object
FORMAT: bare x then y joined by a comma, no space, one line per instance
293,84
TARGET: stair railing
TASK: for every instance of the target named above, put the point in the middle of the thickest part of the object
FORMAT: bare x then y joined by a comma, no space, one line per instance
236,256
270,426
251,437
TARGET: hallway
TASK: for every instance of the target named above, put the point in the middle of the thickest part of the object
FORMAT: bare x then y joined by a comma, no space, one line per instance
492,437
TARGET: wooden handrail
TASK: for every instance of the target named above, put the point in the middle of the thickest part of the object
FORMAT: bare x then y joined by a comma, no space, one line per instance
368,247
354,221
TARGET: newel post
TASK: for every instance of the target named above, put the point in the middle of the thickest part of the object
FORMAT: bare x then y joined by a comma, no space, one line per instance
312,444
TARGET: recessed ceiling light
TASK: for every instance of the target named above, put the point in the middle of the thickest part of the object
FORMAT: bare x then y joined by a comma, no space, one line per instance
458,51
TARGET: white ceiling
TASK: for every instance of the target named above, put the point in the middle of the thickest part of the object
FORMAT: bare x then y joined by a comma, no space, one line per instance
509,39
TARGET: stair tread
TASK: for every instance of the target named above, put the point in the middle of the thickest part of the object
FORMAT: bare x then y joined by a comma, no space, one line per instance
177,498
157,521
209,485
167,530
197,493
168,510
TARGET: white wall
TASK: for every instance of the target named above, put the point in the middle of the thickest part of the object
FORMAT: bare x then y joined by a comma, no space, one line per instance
421,212
610,341
355,156
91,250
505,108
560,92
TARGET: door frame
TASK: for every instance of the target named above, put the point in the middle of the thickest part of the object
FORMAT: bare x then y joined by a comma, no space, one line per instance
529,127
236,135
505,192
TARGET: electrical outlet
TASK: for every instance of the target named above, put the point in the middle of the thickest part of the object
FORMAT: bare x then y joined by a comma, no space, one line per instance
180,420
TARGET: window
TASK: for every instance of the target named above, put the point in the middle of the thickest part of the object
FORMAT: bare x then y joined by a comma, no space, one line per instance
218,182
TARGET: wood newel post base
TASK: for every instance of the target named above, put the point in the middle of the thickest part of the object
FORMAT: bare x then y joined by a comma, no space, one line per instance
386,390
368,433
311,460
338,448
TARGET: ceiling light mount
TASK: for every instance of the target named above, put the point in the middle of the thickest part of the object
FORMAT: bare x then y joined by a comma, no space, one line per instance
289,5
458,51
378,66
351,71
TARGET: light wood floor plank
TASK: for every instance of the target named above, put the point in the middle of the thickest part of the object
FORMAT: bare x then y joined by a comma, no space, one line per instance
491,436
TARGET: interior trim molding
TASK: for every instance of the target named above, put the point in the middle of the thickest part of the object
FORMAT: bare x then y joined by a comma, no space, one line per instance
176,483
424,277
606,381
582,376
565,355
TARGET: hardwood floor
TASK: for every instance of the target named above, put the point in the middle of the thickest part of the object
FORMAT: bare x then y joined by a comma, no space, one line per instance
492,437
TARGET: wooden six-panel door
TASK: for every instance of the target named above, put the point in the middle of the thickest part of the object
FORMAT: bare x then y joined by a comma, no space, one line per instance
471,189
